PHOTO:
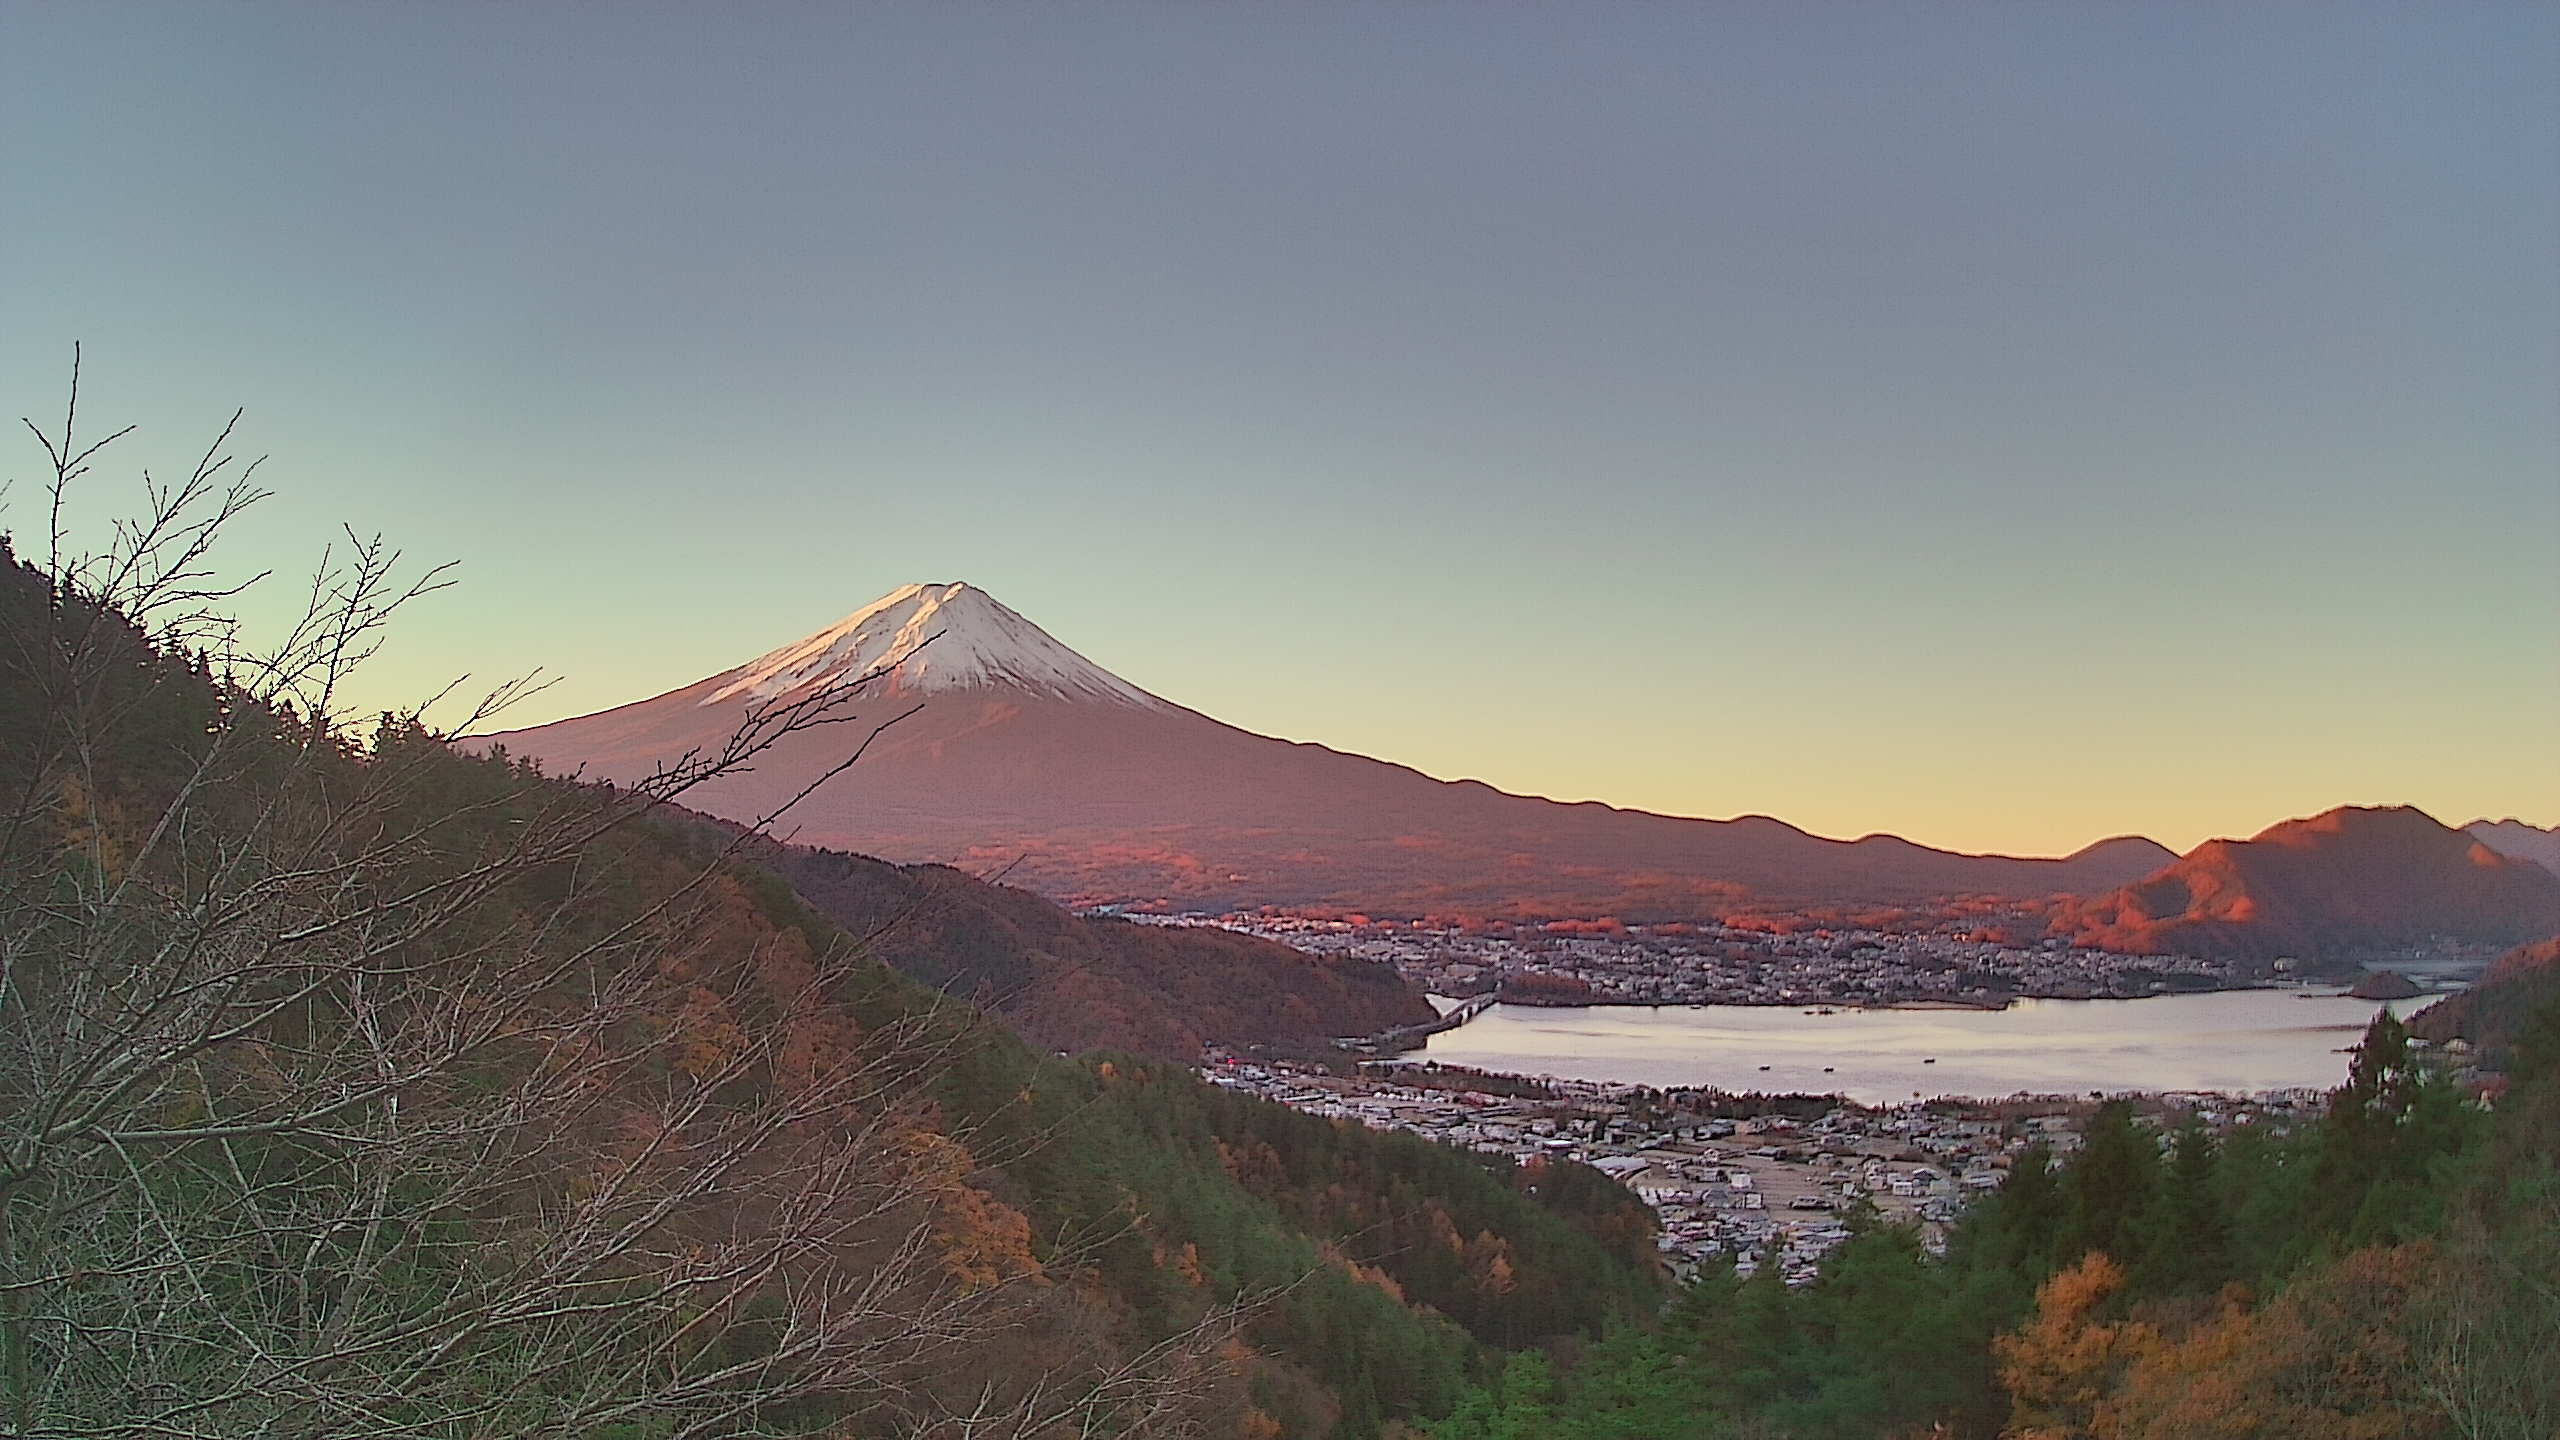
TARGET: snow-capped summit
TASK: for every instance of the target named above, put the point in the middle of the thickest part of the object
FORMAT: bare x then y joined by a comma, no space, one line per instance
934,638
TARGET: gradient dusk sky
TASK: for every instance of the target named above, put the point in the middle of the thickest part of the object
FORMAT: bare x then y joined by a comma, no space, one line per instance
2004,425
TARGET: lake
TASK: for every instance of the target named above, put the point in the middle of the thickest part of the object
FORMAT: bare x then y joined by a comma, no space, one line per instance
2235,1041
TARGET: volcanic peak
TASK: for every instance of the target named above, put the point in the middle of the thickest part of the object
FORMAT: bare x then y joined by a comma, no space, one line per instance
930,638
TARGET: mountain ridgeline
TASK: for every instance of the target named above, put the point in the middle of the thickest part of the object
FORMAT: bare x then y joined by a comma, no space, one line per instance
1023,756
1011,753
2522,841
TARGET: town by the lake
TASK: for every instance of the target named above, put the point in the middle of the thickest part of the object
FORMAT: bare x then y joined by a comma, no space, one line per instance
1743,1177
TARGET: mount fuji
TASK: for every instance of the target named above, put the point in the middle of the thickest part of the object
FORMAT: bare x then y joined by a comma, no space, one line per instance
1024,756
929,639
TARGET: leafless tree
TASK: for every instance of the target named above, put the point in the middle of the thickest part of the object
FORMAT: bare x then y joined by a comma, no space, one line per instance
2485,1326
348,1087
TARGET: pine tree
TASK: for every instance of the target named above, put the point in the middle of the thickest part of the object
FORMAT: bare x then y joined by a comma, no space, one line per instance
2188,1247
2028,1221
2106,1191
2359,1132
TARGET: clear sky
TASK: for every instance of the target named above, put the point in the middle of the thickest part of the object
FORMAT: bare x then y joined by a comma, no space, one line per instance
2004,425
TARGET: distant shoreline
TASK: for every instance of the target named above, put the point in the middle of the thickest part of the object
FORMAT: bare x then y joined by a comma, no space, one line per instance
1598,1002
1468,1007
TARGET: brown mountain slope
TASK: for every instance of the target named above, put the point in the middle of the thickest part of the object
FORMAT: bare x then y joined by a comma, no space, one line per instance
2496,1008
1091,790
1072,983
2329,888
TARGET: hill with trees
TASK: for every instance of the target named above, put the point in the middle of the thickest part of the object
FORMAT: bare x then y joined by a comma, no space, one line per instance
1072,983
2331,888
2495,1011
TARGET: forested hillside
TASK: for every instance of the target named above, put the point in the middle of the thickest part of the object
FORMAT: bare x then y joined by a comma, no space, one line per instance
2498,1007
350,1085
1075,983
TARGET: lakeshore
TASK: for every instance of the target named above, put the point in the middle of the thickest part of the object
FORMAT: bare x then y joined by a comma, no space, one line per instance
2224,1041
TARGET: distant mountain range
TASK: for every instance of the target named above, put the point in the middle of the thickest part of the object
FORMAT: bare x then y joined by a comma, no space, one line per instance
1026,757
2348,882
2522,841
1022,757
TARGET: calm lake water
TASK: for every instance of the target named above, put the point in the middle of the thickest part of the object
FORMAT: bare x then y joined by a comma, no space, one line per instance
2237,1041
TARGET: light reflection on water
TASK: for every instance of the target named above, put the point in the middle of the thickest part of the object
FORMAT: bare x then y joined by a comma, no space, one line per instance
2237,1041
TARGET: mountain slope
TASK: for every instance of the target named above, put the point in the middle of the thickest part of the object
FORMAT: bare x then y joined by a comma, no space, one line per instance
2349,881
1074,983
2497,1007
2517,839
1022,754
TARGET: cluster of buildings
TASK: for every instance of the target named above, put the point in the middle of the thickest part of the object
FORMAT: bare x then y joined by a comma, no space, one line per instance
1735,965
1731,1187
1738,1188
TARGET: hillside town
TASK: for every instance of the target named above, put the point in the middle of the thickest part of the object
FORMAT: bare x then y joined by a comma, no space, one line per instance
1736,1179
1733,964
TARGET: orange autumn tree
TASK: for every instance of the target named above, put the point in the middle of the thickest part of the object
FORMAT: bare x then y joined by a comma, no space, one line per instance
2061,1368
2327,1360
2330,1359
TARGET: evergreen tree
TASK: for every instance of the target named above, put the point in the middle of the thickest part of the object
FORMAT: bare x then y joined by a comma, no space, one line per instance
2107,1190
1764,1331
2188,1247
1520,1406
2023,1225
2359,1132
